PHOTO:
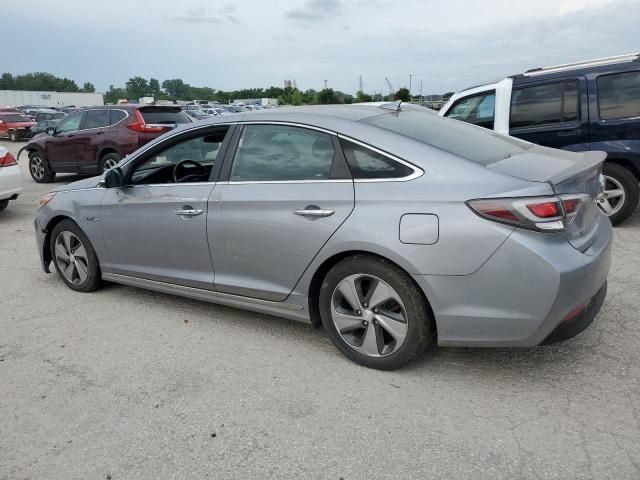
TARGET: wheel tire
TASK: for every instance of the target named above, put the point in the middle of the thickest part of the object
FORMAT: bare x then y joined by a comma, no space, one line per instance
39,168
13,136
109,161
418,324
83,274
4,204
629,183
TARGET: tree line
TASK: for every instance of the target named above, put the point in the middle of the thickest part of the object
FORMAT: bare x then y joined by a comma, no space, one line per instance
177,89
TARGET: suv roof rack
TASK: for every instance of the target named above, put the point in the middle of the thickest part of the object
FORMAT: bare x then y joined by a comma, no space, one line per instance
629,57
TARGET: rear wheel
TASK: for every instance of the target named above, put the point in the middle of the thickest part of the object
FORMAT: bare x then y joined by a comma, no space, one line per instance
39,168
374,313
109,161
13,136
621,192
74,258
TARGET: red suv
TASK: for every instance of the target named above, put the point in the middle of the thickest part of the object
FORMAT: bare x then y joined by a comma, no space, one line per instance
15,126
93,140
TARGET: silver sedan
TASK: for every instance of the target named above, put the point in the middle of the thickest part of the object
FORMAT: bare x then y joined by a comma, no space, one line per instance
388,226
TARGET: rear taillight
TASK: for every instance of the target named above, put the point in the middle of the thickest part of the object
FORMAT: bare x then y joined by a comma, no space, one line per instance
141,127
543,214
7,160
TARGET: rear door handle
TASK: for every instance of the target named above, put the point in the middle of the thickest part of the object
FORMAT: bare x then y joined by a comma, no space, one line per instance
313,211
189,212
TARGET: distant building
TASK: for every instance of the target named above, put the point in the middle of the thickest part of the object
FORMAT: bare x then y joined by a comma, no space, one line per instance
16,98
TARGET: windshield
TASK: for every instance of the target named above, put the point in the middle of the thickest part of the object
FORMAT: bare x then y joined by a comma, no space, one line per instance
16,118
467,141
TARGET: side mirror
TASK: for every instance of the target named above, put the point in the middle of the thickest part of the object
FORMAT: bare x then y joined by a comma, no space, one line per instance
50,131
113,178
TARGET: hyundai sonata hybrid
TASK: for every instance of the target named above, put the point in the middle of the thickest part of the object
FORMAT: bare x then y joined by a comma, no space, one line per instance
392,228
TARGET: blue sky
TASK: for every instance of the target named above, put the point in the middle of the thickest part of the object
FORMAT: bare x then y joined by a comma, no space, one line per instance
444,45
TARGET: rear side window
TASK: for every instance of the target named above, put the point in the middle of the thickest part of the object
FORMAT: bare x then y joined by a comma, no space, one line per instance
544,104
619,95
164,116
279,153
116,116
96,119
476,109
366,163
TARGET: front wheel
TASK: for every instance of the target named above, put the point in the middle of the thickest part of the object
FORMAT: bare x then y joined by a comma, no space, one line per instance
374,313
74,258
109,161
13,136
39,168
621,192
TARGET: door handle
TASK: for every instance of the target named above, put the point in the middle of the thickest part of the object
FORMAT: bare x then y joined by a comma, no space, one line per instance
313,211
99,133
189,212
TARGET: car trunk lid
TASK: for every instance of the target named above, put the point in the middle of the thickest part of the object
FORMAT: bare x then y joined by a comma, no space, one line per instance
575,178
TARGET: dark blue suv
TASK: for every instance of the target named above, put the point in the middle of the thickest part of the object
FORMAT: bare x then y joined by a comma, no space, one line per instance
593,105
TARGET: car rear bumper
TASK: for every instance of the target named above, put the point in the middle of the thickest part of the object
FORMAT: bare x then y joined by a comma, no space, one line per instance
523,292
10,182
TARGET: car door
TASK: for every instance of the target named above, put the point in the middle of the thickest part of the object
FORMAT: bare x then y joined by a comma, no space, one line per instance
288,190
62,147
553,113
90,138
156,227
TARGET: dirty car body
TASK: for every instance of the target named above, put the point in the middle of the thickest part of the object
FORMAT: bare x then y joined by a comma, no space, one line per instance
502,239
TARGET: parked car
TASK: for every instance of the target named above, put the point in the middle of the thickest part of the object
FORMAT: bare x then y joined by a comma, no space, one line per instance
41,127
48,114
95,139
392,228
10,178
69,109
9,110
15,126
197,114
593,105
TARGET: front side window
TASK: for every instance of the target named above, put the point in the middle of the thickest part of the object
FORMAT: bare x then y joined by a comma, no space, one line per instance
544,104
96,119
365,163
190,160
280,152
619,95
477,109
70,124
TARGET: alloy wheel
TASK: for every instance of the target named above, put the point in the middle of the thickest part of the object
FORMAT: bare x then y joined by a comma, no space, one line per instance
12,136
109,163
71,257
613,197
36,165
369,315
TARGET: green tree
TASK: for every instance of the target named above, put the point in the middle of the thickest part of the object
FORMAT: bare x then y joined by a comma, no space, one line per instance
363,97
7,82
327,96
114,94
176,88
154,88
403,94
88,87
137,87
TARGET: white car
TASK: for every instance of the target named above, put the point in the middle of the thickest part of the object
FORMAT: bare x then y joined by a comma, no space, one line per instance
10,178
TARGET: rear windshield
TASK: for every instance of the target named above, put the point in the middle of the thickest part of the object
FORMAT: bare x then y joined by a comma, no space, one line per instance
164,115
16,118
467,141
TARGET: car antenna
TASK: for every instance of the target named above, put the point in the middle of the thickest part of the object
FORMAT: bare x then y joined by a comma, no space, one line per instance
395,106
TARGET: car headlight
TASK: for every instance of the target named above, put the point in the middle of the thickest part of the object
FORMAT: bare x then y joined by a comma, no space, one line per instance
46,199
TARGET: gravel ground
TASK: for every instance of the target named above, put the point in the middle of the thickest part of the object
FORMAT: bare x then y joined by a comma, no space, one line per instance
124,383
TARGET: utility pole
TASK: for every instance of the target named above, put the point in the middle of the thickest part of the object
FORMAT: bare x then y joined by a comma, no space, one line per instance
325,84
410,75
360,85
420,91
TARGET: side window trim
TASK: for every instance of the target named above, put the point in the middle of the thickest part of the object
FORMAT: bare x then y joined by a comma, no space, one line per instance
551,125
417,171
225,176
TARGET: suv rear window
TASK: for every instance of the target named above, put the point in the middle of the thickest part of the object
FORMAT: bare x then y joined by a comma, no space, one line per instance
163,115
467,141
544,104
619,95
